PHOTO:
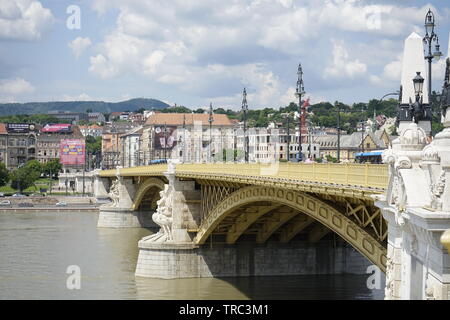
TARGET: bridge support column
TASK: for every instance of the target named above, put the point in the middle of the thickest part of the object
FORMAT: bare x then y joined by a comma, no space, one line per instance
101,187
119,213
171,252
417,210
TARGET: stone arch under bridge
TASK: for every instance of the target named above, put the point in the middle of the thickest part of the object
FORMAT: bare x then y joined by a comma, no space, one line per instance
354,231
150,187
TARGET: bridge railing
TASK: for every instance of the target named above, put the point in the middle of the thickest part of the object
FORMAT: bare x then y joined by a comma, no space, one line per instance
360,175
364,175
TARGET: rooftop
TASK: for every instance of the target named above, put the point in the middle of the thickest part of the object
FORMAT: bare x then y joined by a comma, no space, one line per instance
177,119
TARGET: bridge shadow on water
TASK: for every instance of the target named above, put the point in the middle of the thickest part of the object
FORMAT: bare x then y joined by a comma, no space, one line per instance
306,287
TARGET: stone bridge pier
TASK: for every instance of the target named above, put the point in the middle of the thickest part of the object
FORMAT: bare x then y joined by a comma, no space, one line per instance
125,193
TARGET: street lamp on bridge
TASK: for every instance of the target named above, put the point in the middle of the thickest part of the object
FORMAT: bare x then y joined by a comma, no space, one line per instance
299,92
210,120
429,38
245,110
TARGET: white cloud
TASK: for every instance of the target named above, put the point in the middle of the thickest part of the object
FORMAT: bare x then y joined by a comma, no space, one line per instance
342,66
80,97
12,90
79,45
16,86
24,19
208,49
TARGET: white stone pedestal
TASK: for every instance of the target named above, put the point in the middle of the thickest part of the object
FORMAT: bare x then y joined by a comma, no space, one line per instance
118,218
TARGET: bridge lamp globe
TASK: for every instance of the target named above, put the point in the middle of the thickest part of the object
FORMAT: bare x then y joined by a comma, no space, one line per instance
437,53
418,84
429,23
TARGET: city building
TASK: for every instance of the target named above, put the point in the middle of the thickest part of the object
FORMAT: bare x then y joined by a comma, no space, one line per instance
71,117
18,143
111,146
93,130
185,136
96,117
352,144
136,117
272,144
48,143
130,146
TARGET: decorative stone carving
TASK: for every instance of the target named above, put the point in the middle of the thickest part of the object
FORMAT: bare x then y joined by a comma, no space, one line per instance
389,289
389,156
114,194
431,291
163,217
430,155
437,189
445,97
413,135
403,162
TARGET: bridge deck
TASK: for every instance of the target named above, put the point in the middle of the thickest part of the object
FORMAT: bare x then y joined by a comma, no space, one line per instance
366,176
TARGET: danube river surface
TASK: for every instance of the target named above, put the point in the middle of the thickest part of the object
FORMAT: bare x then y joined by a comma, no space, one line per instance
37,248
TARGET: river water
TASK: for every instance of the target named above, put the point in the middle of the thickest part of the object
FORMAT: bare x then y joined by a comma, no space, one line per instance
37,248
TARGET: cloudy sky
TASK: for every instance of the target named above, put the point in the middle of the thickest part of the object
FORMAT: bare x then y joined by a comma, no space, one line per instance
191,52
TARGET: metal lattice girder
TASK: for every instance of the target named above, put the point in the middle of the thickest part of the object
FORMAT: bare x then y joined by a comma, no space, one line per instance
318,232
211,195
245,220
331,216
294,227
273,223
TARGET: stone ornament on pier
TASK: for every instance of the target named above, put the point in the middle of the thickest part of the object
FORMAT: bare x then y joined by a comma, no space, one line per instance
114,194
163,217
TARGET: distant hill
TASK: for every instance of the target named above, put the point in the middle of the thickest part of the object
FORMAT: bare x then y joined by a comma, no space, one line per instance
81,106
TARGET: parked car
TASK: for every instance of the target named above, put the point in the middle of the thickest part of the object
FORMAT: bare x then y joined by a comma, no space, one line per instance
61,204
18,195
5,203
35,195
26,204
2,194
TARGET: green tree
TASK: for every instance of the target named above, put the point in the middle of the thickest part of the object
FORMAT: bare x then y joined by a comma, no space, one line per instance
331,158
93,145
24,177
4,174
52,168
35,167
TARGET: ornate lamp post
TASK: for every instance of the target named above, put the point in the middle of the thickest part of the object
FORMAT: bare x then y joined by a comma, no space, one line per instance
288,138
339,134
210,120
417,108
429,38
299,92
245,110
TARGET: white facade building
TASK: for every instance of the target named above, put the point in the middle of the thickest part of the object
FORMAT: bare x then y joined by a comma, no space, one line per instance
130,144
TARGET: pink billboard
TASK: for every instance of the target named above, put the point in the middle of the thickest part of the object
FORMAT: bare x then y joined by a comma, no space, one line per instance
57,127
72,151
